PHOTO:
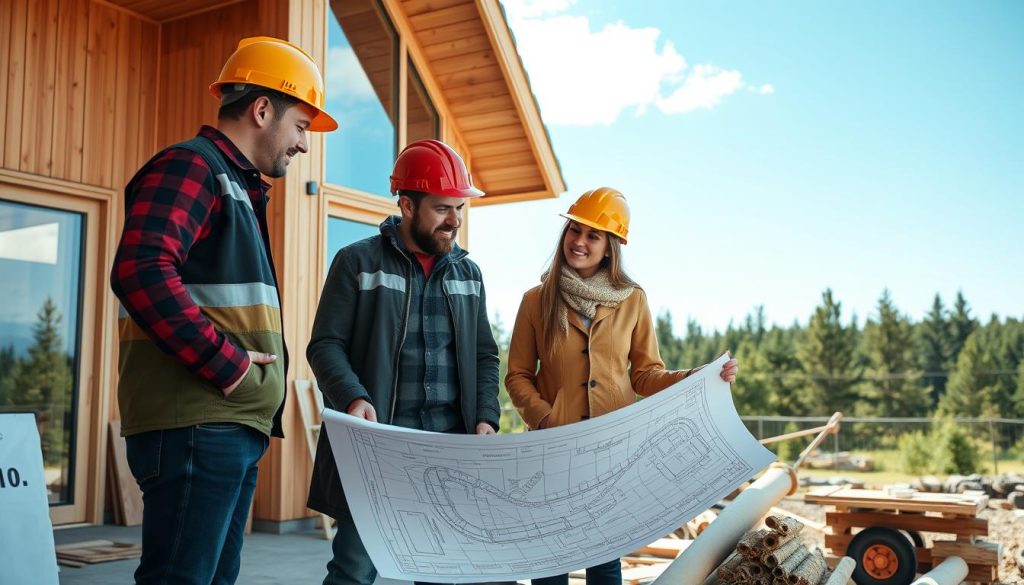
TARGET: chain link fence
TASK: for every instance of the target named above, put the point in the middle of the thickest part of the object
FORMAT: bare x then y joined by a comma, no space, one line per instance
997,440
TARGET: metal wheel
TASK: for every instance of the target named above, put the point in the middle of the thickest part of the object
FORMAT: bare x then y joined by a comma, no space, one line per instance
884,557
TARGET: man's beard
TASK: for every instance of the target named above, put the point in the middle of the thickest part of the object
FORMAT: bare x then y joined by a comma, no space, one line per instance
427,239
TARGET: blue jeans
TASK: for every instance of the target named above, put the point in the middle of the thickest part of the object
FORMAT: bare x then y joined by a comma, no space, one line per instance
609,573
197,483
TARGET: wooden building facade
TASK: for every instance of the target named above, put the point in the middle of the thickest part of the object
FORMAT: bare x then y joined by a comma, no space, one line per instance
92,88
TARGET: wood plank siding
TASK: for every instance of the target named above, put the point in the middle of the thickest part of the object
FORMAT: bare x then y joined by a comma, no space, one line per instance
74,72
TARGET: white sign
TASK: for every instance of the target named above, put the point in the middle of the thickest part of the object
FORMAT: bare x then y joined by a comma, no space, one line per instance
467,508
26,535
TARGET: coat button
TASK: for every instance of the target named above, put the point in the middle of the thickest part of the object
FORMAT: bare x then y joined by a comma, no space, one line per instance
593,383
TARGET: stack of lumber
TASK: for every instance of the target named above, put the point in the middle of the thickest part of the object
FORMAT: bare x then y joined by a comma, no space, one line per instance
774,555
96,551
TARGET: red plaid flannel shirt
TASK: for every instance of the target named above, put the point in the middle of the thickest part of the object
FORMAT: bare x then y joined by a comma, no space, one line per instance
167,211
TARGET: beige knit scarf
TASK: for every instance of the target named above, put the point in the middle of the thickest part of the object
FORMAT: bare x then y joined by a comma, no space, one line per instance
584,295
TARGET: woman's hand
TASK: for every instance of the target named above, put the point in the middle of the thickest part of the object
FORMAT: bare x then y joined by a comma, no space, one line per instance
729,370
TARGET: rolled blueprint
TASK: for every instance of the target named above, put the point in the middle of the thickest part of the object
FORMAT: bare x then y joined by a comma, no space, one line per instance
720,537
951,571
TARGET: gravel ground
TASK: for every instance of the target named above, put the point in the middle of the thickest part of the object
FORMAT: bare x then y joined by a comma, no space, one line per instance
1004,527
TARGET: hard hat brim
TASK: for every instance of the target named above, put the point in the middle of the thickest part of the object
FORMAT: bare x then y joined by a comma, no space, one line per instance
323,122
591,224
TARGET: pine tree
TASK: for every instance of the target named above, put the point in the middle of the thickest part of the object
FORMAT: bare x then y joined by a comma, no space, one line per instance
755,325
933,342
891,386
961,325
970,390
1018,397
1007,343
669,345
754,390
781,370
43,381
7,363
826,353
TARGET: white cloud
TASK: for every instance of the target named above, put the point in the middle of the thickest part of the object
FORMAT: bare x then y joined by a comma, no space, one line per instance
704,88
344,78
766,89
583,76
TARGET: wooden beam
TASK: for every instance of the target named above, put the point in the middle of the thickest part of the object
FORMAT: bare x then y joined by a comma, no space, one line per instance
464,62
489,120
444,17
490,149
513,159
489,135
414,7
448,33
509,173
456,47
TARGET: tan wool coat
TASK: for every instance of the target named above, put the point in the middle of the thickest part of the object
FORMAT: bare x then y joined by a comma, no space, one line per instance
591,372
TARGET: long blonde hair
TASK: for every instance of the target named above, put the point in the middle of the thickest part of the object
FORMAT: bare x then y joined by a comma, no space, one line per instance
551,289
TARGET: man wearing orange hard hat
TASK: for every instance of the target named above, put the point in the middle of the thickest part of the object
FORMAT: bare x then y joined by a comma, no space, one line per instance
202,357
401,334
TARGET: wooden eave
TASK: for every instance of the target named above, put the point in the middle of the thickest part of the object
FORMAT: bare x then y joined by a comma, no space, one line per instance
467,57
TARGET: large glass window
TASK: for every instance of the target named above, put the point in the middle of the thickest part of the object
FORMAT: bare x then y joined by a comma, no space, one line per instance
361,74
342,232
41,254
421,117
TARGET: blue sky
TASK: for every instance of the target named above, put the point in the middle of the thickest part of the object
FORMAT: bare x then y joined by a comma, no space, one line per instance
770,150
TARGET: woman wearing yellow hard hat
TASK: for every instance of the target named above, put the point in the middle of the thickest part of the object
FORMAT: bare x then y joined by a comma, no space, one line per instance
590,328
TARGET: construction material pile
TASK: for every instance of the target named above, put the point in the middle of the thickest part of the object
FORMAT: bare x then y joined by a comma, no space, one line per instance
776,556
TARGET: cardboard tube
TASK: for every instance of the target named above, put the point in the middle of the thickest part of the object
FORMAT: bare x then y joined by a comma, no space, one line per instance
841,574
720,537
951,571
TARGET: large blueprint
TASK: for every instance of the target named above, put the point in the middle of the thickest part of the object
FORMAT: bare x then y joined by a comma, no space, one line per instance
464,508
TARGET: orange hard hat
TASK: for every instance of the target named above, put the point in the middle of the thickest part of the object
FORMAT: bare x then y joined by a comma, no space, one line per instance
278,65
603,209
433,167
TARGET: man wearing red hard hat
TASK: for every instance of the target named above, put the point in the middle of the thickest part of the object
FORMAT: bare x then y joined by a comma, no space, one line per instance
401,334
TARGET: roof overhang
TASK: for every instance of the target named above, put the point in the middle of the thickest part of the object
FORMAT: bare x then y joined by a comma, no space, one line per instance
466,51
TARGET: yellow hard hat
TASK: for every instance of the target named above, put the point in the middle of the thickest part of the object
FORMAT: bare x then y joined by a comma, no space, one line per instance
603,209
278,65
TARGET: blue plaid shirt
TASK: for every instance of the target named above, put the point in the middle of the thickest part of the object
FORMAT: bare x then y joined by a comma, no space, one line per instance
428,375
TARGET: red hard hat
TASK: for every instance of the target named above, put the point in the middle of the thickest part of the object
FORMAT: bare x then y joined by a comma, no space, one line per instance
431,166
